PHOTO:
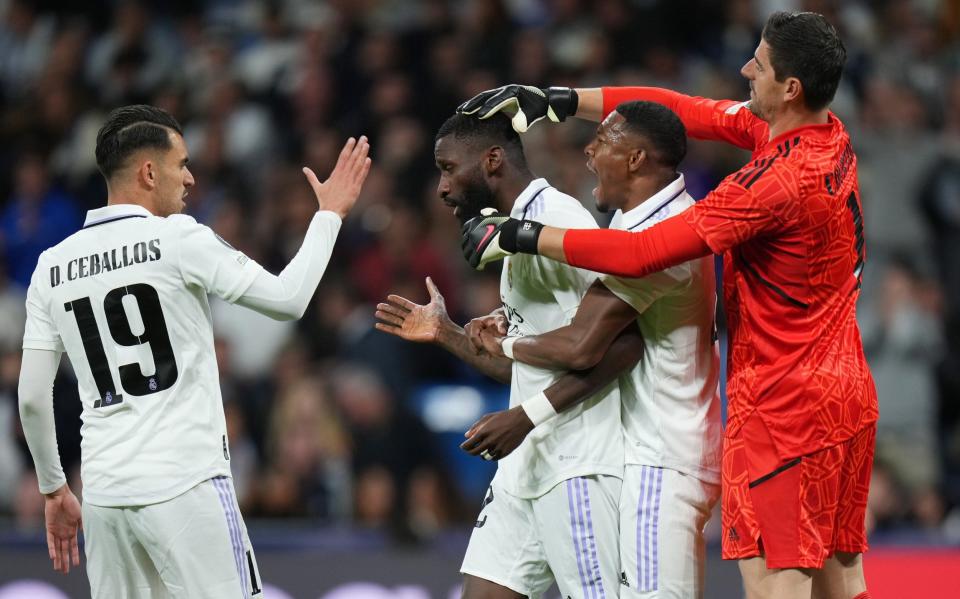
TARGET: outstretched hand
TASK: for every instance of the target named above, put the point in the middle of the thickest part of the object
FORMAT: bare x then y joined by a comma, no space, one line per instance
413,322
64,521
342,188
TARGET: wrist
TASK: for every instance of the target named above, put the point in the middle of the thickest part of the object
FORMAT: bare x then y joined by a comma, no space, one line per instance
448,332
563,100
538,409
60,491
520,236
506,345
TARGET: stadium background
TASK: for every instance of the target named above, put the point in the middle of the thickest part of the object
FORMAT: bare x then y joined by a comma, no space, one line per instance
344,439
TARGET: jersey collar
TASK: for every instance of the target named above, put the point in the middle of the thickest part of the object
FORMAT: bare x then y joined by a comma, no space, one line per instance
102,216
651,206
524,203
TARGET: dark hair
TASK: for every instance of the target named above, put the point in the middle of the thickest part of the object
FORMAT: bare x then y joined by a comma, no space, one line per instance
804,45
132,128
660,126
481,134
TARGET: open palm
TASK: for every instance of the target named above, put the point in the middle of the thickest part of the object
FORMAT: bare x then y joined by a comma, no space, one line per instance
413,322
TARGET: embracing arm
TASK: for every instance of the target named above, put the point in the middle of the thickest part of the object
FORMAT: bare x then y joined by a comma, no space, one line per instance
586,340
496,435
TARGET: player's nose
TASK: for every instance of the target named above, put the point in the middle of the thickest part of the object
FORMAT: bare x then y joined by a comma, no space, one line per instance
188,180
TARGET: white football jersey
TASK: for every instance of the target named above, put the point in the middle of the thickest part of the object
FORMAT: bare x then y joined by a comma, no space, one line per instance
540,295
671,398
126,298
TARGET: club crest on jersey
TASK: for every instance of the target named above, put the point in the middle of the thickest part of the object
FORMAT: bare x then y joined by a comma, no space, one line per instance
152,384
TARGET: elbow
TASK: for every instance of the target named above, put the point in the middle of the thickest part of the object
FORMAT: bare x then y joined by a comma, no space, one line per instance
581,357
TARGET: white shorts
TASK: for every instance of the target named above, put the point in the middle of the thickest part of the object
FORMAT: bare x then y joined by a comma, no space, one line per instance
570,535
194,545
662,516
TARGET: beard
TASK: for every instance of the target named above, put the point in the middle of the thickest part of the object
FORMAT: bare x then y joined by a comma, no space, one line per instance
476,196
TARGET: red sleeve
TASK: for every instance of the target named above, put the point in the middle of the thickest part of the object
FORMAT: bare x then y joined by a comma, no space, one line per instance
755,201
717,120
627,254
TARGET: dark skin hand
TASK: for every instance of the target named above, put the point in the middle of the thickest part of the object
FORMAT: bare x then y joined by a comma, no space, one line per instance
430,324
499,433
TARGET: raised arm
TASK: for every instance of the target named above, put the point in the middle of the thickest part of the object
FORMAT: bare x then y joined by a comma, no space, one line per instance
720,120
209,262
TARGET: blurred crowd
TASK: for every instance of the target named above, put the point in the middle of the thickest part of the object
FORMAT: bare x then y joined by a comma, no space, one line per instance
323,418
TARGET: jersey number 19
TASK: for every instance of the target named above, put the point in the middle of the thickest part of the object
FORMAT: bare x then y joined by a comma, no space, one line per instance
154,332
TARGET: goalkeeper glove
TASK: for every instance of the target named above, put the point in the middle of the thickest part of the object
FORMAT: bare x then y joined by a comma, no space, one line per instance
492,236
524,104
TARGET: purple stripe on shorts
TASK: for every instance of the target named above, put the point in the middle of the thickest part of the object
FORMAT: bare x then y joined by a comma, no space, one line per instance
643,486
573,534
584,543
598,577
656,526
225,503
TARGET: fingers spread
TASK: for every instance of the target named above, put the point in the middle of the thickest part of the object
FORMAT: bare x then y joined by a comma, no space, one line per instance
389,318
402,302
432,290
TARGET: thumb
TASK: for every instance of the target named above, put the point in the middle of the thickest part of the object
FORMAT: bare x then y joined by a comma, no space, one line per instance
433,291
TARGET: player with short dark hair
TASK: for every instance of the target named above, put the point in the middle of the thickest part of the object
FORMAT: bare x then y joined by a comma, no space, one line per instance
669,401
799,441
126,298
551,513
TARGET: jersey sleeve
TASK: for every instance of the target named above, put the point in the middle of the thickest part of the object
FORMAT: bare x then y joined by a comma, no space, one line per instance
209,262
568,284
640,293
717,120
40,331
753,202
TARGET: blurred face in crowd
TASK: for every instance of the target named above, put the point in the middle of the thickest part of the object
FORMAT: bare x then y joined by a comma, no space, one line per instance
608,157
462,185
767,94
170,177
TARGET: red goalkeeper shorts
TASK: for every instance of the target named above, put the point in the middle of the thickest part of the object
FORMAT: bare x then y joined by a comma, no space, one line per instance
795,512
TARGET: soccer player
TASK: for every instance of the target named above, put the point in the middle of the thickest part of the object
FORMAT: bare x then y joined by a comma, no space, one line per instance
798,447
670,404
126,298
551,511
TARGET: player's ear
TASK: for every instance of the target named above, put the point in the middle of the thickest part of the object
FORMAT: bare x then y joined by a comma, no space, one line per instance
493,160
636,159
793,89
147,174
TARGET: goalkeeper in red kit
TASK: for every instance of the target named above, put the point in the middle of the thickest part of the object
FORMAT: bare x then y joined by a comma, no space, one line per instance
798,447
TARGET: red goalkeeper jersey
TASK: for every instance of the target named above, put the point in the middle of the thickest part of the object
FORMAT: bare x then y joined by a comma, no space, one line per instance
789,225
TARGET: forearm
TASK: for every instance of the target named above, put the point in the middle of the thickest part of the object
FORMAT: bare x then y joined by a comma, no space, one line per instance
559,349
574,387
287,295
38,370
623,253
454,339
589,104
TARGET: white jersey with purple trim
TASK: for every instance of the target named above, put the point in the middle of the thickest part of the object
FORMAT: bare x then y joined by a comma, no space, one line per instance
126,298
540,295
671,398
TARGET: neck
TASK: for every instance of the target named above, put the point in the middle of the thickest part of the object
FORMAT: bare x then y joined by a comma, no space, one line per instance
511,187
122,195
794,119
643,188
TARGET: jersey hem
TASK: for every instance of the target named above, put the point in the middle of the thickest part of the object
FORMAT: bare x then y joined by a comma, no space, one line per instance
106,500
544,488
708,476
516,588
